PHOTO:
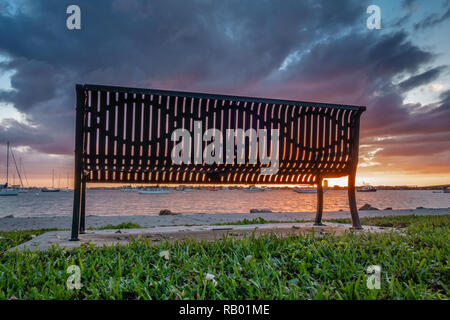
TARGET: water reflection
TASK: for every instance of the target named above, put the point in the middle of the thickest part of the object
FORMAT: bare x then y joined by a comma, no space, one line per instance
114,202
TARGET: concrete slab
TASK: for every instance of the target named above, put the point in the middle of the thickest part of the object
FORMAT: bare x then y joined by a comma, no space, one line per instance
201,233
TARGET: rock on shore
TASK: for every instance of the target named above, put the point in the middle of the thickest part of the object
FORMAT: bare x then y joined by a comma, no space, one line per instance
167,212
260,211
367,207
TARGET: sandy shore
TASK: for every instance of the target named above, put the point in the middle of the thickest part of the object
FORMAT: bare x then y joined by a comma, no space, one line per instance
64,222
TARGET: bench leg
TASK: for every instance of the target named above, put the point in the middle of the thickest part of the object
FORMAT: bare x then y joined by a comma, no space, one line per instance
352,201
78,165
83,207
318,221
76,209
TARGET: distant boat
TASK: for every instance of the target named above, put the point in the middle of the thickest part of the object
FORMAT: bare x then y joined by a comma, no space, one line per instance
155,190
446,190
254,189
49,190
19,188
128,189
9,192
67,188
52,189
308,190
4,190
183,188
367,189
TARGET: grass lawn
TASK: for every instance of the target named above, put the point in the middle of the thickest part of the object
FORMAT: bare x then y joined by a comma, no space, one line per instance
413,266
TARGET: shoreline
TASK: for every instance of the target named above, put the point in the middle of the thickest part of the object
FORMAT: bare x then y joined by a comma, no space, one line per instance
92,221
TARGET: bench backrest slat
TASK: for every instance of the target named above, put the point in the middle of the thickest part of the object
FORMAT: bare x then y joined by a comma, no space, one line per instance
127,136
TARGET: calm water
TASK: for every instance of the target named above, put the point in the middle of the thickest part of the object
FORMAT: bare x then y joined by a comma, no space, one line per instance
115,202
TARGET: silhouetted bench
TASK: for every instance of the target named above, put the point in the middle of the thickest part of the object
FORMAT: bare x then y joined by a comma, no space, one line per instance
129,135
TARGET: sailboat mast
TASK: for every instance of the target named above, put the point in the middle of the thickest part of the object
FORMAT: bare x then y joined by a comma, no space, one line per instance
7,161
53,178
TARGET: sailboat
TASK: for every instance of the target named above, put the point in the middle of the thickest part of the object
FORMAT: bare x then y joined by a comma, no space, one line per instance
21,168
67,188
4,190
52,189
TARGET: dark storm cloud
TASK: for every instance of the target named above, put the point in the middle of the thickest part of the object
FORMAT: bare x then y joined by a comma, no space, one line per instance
417,149
434,121
332,72
378,57
34,82
421,79
145,42
195,45
413,145
229,47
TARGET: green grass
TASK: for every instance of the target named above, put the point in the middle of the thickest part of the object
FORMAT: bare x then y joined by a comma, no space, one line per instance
255,221
394,221
123,225
414,266
10,239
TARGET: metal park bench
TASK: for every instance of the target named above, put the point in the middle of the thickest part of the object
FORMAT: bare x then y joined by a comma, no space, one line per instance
129,135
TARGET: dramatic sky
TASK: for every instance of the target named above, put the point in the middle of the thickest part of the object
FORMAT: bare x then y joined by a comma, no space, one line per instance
306,50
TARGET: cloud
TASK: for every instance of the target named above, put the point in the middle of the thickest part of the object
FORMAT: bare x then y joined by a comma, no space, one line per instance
415,145
224,47
421,79
432,20
193,45
408,4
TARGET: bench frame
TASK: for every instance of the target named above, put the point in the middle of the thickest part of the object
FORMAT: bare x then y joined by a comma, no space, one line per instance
82,175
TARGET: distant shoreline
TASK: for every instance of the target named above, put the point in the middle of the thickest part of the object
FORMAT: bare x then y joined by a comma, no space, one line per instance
234,187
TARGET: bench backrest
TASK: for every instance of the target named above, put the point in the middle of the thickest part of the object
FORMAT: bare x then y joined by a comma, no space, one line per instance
127,133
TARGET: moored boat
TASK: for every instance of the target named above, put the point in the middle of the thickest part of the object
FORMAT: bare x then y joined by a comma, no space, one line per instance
155,190
306,190
52,189
49,190
8,192
5,190
367,188
128,189
254,189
